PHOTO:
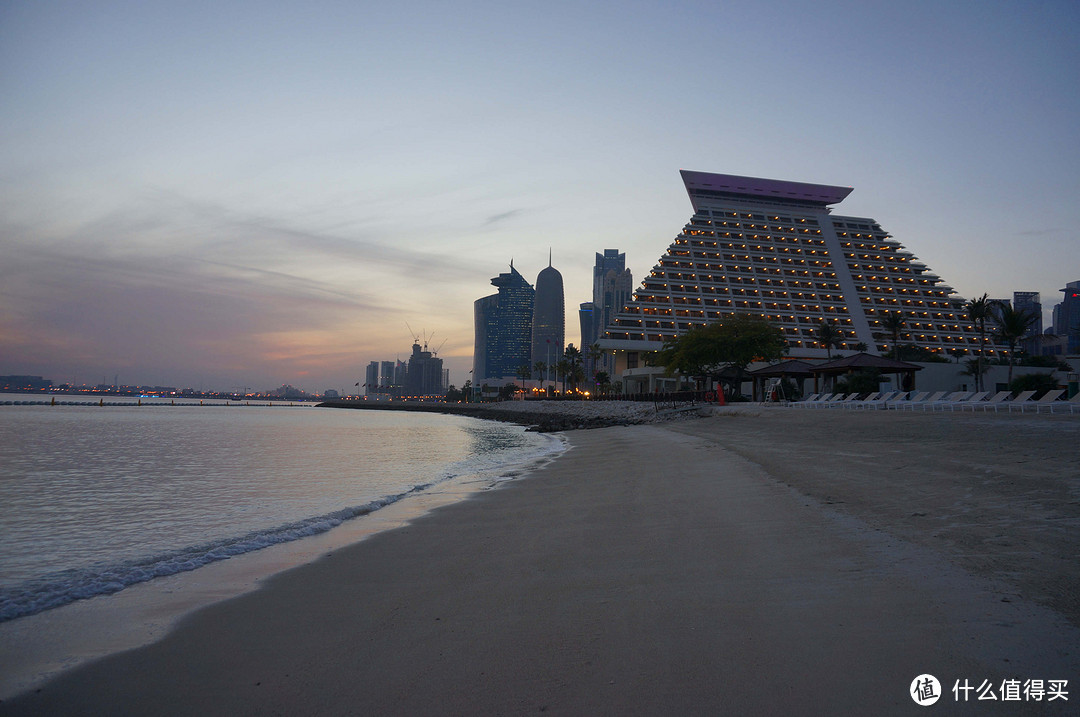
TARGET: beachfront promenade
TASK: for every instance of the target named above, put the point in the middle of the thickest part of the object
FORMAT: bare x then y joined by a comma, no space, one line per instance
762,561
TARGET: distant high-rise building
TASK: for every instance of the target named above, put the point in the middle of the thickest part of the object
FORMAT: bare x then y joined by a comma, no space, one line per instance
773,249
386,373
503,328
590,331
549,318
425,375
371,379
1067,318
613,287
613,283
1030,302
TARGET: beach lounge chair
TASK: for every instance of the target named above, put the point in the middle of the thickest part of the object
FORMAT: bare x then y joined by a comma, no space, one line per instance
997,399
1069,404
827,399
899,399
845,401
973,400
960,397
876,400
925,401
860,404
1046,401
813,400
1024,397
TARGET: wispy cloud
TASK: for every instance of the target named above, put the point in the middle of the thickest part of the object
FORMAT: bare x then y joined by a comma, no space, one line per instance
496,218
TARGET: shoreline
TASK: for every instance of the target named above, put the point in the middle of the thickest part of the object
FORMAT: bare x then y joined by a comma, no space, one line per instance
544,416
608,582
41,646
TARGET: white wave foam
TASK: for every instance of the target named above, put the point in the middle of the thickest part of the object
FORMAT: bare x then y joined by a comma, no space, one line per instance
65,587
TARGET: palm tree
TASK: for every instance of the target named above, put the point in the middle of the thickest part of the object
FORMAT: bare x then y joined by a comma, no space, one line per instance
893,322
562,368
979,310
1012,325
540,367
603,382
828,336
595,354
572,356
524,372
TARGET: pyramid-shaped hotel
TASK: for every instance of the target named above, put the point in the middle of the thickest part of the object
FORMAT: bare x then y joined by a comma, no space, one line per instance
774,249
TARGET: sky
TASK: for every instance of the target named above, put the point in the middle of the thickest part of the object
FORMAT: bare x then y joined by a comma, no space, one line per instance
228,194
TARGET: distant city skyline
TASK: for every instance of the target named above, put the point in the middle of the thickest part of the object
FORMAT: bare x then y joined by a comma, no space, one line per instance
222,196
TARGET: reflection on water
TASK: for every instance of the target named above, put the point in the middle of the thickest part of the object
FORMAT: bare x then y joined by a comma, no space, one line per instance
87,488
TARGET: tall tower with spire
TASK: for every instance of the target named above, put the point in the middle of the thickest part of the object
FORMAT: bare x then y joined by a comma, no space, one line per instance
549,316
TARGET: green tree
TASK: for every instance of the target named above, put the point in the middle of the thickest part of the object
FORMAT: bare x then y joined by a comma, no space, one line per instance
603,382
975,367
727,346
1013,325
595,354
1040,382
562,369
893,322
524,372
574,371
466,391
541,368
978,311
828,336
452,395
863,381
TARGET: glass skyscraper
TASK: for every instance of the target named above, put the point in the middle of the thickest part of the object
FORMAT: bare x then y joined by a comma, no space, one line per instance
613,287
503,328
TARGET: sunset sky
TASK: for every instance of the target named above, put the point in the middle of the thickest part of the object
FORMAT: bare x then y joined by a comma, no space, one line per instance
240,194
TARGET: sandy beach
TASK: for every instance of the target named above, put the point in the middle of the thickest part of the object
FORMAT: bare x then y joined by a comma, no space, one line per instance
761,561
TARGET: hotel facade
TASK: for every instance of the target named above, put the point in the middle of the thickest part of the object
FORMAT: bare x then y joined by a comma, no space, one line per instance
774,249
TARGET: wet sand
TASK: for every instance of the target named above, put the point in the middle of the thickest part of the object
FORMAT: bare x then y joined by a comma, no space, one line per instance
775,561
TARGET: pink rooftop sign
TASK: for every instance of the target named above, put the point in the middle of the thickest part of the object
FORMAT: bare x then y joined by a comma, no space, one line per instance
755,186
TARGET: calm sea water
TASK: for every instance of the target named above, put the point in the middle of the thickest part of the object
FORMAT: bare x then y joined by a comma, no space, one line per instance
95,499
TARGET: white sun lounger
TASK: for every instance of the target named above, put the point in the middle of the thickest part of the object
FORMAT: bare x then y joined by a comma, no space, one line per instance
814,400
951,398
874,400
872,397
1072,404
923,402
1024,397
963,397
845,401
997,399
1046,401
